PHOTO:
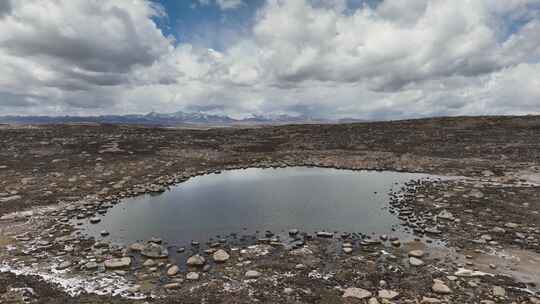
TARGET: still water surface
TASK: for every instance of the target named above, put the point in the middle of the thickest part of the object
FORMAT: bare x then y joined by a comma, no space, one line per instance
249,200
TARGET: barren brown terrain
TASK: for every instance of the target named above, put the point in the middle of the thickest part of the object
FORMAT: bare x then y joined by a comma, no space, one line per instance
489,217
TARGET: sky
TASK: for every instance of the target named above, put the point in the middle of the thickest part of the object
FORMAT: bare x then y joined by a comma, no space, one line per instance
369,59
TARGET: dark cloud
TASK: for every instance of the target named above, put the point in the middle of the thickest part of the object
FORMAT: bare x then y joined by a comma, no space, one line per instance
5,8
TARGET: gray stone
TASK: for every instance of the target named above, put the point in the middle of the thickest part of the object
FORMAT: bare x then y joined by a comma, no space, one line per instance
192,276
252,274
498,291
155,251
440,288
221,256
416,253
196,260
173,270
118,263
388,294
64,265
357,293
415,261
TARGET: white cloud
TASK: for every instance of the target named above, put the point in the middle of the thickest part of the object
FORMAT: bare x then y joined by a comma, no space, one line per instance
398,59
229,4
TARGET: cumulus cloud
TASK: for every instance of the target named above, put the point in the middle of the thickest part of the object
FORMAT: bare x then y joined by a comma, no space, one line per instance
388,59
229,4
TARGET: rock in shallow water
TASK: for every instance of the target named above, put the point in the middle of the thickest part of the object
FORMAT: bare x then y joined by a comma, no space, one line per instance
221,256
155,251
196,260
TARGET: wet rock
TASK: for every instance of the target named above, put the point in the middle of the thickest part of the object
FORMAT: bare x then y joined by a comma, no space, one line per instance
136,247
252,274
118,263
357,293
154,251
325,234
95,220
440,288
173,270
155,240
149,263
196,260
387,294
192,276
221,256
104,233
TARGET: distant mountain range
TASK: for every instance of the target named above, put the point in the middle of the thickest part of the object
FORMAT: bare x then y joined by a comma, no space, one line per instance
171,119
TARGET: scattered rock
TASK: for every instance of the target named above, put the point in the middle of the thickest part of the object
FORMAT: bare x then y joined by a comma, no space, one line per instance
173,270
170,286
196,260
154,251
118,263
221,256
387,294
440,288
498,291
416,253
252,274
357,293
192,276
64,265
415,261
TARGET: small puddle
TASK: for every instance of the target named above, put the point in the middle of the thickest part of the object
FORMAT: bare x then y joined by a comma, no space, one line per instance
252,201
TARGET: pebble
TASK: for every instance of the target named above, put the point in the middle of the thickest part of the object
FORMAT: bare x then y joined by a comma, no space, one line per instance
357,293
64,265
440,288
172,286
387,294
173,270
373,301
252,274
415,261
118,263
192,276
416,253
498,291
